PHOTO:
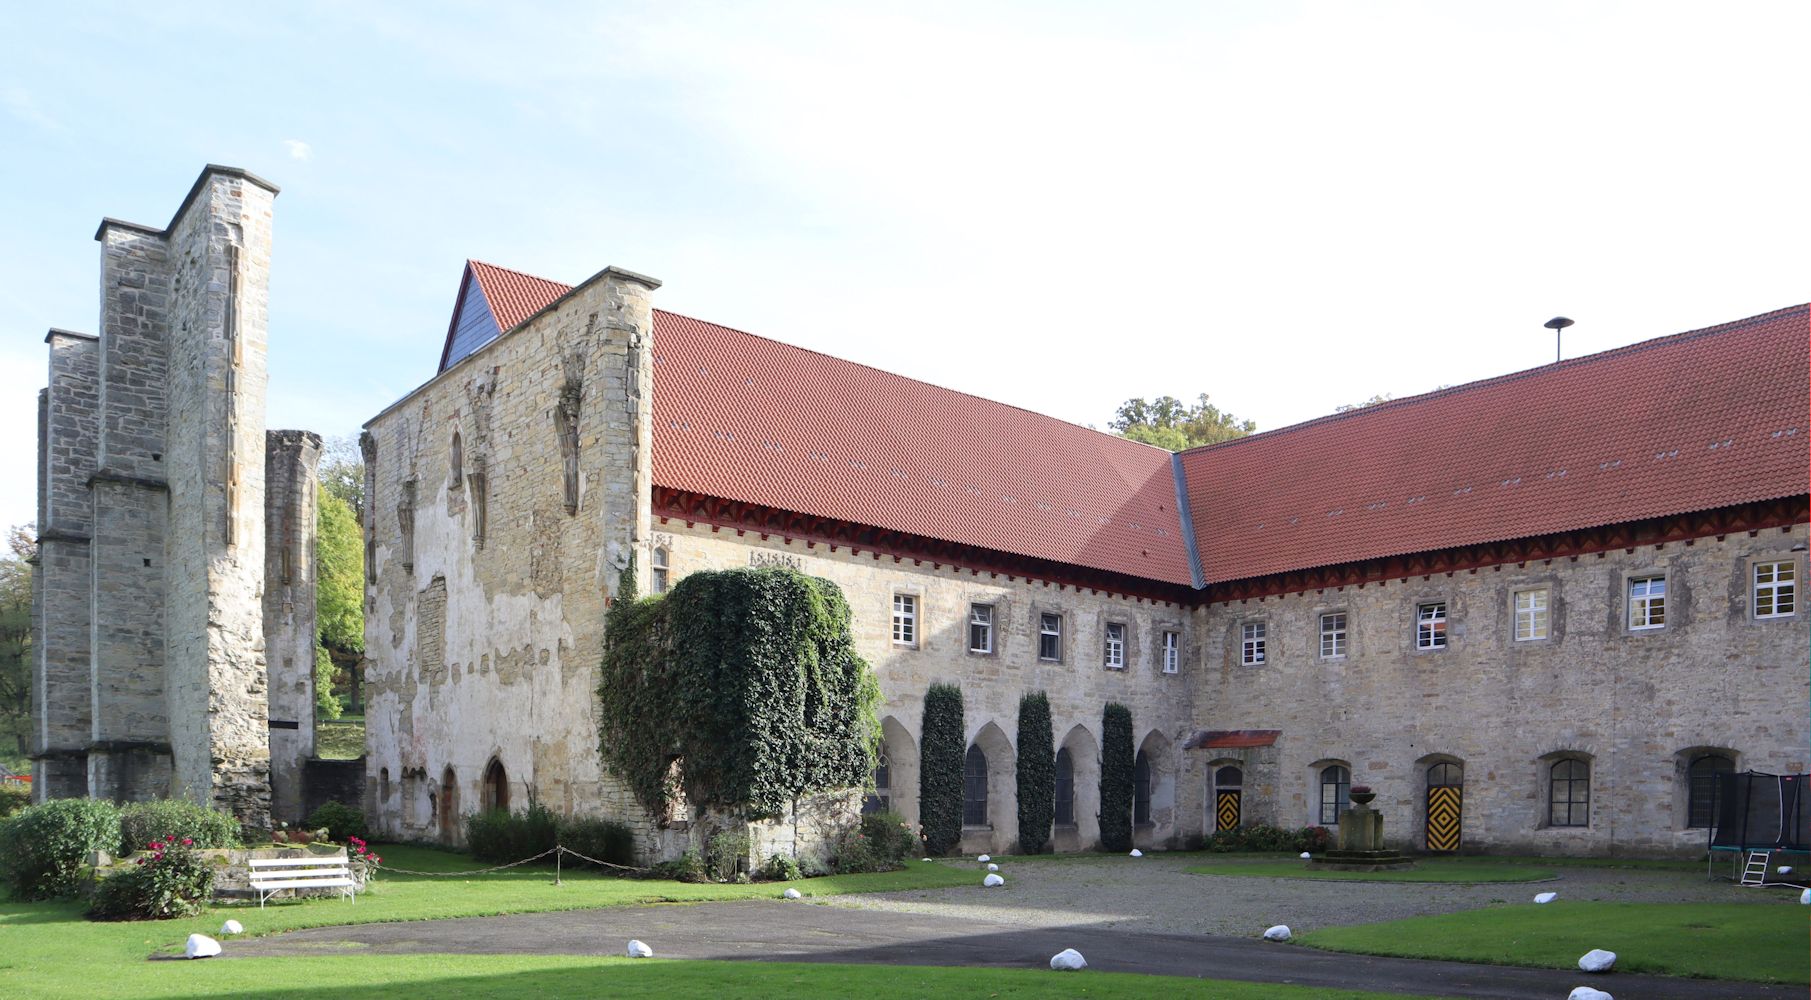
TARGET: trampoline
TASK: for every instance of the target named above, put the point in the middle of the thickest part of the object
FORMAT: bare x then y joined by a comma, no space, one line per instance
1755,814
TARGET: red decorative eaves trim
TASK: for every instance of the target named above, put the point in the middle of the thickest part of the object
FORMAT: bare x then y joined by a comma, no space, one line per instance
695,508
1757,516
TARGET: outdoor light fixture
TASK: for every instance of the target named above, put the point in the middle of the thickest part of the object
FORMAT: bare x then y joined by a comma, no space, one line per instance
1556,324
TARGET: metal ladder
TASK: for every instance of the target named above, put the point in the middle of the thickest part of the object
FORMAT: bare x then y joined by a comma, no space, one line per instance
1754,871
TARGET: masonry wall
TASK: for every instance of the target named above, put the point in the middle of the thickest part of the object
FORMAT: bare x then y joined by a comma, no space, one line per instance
290,478
484,623
1635,705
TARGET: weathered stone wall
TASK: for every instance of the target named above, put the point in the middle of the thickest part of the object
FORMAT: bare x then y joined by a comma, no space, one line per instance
1634,704
291,460
483,644
1079,686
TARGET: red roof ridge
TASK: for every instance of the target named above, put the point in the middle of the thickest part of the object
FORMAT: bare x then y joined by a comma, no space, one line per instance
1495,380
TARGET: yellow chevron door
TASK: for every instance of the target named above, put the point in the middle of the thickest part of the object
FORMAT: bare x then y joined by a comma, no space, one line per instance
1444,811
1226,810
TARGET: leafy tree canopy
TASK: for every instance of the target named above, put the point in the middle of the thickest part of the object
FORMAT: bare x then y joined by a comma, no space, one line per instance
343,472
1168,422
339,575
15,644
1382,397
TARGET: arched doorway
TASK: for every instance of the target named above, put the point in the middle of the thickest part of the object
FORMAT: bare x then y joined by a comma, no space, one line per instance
902,769
1081,831
496,787
449,806
1228,797
882,796
1445,806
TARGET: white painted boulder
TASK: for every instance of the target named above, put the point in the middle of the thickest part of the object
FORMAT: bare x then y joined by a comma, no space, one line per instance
793,894
1137,853
1805,897
232,927
201,946
1306,855
993,880
1278,933
1587,993
1068,960
637,949
1597,960
1785,869
992,867
1546,897
985,858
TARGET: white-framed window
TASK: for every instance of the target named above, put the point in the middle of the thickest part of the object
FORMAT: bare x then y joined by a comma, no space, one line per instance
1430,625
1775,589
1531,614
1115,653
980,628
1333,635
905,620
1647,602
1172,652
1050,637
657,571
1336,789
1251,643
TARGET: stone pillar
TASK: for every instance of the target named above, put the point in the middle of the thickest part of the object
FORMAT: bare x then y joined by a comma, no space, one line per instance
620,386
217,682
67,442
128,751
291,461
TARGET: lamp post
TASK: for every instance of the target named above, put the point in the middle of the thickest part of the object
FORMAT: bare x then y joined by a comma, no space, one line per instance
1556,324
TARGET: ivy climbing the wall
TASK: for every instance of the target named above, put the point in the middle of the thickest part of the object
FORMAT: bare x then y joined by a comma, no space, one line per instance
940,756
1116,778
1036,773
764,701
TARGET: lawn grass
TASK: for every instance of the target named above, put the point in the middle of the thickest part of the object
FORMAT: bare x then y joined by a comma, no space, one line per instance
1425,870
1759,942
340,739
52,952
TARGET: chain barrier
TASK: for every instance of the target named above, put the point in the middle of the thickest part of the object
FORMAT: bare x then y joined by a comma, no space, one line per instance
556,850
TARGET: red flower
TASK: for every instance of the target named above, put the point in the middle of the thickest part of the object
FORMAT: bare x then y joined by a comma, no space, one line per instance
169,838
152,846
186,842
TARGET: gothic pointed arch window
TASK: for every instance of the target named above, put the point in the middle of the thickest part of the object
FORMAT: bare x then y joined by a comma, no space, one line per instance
496,787
456,464
974,786
1065,787
1141,788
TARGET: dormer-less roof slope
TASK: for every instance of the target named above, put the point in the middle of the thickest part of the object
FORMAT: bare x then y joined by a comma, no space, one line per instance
744,418
1691,422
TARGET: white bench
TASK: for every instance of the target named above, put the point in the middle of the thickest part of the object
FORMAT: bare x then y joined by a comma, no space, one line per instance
270,876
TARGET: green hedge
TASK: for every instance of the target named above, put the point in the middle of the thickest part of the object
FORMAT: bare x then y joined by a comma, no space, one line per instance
340,821
1116,778
42,848
143,822
496,835
764,701
1036,773
940,755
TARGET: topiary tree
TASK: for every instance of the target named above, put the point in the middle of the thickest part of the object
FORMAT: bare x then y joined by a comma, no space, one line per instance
940,756
1036,773
1116,778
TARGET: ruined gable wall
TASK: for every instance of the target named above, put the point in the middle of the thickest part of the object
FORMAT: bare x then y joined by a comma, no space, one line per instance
1079,686
485,622
1635,703
290,480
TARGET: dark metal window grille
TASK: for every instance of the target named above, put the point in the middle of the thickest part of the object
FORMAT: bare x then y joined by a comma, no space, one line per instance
1569,801
1336,786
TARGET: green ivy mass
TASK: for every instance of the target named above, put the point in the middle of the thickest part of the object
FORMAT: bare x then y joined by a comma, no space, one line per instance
940,758
1036,773
1116,778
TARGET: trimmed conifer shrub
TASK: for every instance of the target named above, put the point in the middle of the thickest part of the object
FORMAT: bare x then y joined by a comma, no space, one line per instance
1036,773
940,769
1116,778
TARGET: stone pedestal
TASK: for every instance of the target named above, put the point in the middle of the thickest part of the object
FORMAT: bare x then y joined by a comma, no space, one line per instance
1361,841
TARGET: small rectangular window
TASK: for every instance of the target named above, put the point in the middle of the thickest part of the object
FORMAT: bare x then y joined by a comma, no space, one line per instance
1050,637
657,575
1116,646
1647,602
980,628
1531,614
1333,636
905,620
1251,643
1172,652
1430,625
1775,589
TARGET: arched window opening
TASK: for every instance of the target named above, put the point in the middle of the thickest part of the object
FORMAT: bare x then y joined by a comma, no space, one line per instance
657,576
383,786
1229,777
1336,787
1569,793
449,805
882,796
974,787
1444,774
456,464
496,787
1141,788
1065,787
1224,804
1701,790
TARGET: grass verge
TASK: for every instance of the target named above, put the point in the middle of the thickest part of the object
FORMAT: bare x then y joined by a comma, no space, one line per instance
1757,942
1425,870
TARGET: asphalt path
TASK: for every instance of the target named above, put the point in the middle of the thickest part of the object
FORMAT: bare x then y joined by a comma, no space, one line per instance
799,931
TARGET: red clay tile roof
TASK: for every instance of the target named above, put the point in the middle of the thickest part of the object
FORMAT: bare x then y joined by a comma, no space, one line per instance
745,418
1668,426
1230,739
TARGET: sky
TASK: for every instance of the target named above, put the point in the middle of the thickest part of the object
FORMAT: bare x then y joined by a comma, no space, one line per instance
1288,206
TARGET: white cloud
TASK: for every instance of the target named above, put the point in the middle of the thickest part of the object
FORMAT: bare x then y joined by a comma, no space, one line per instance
298,150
